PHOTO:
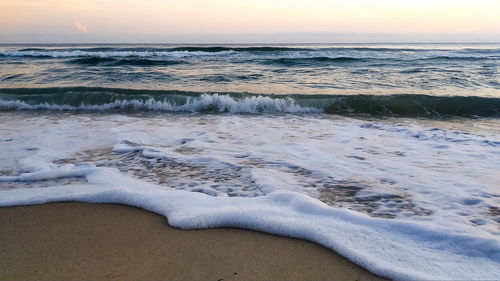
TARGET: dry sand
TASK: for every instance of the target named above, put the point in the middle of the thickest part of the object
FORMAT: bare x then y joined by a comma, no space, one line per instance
63,241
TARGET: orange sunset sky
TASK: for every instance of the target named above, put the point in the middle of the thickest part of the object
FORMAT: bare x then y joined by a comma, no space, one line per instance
248,20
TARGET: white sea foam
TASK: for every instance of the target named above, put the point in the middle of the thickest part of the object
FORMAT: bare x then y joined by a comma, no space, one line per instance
266,172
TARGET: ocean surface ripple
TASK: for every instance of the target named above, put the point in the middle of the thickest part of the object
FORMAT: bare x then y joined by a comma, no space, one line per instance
439,69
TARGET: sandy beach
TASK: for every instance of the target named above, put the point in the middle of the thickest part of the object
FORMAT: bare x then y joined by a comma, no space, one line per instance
113,242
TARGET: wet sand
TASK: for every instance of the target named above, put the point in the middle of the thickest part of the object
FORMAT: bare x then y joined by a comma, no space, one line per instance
78,241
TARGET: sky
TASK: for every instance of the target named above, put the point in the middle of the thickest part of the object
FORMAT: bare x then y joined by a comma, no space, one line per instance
248,21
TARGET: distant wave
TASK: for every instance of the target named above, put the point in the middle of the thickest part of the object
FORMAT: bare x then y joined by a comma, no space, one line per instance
323,60
102,99
311,60
238,49
460,58
93,61
189,51
260,49
108,53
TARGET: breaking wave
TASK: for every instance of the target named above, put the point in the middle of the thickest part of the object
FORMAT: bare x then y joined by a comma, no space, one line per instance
102,99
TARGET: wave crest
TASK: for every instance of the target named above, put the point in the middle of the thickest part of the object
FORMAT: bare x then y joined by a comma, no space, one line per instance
96,98
204,103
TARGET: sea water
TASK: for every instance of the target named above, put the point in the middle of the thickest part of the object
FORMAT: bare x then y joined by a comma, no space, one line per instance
387,154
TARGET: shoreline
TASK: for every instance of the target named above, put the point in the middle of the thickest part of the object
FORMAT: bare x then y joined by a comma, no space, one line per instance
117,242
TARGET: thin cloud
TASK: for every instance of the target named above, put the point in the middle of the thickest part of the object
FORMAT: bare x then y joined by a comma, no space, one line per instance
81,27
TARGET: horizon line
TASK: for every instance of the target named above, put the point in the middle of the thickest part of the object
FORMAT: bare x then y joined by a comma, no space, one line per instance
245,43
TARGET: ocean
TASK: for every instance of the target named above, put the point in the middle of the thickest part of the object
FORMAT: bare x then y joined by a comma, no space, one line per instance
388,154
